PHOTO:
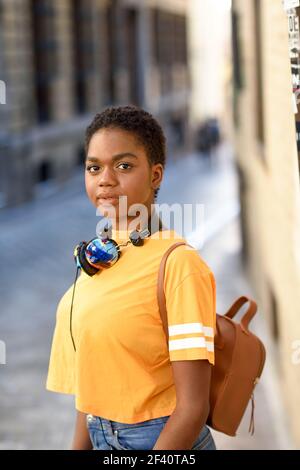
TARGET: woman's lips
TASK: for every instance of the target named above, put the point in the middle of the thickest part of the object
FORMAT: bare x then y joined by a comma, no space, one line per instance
108,200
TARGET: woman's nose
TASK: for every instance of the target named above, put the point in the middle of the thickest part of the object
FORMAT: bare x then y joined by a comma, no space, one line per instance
107,176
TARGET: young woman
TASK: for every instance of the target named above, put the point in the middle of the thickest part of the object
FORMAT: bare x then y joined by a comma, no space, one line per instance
132,390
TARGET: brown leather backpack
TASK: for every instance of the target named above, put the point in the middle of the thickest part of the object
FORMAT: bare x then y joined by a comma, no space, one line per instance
239,361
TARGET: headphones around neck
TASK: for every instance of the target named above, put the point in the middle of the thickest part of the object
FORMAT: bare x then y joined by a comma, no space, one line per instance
103,252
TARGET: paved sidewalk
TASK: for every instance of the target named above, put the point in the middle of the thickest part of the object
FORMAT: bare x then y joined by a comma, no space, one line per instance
37,242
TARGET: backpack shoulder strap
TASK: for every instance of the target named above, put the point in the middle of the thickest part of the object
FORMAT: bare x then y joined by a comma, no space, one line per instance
161,298
160,287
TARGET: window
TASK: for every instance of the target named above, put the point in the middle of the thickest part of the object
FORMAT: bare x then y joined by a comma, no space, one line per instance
274,316
237,65
169,31
180,39
259,73
108,53
135,91
83,44
44,171
155,36
294,52
45,55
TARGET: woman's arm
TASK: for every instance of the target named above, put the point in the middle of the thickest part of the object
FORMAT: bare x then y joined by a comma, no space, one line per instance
192,383
81,439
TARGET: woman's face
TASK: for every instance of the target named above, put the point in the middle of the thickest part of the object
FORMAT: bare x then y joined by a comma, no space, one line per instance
117,165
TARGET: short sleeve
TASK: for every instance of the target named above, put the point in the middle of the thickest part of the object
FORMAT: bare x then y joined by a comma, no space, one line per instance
61,376
190,290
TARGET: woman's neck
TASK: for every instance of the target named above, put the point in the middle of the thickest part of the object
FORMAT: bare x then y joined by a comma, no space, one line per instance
153,224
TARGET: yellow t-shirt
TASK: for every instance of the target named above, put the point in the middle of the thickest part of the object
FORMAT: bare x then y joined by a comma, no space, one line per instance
121,369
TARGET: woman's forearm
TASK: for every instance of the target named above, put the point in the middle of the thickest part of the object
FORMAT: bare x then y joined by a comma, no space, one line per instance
182,429
81,439
179,433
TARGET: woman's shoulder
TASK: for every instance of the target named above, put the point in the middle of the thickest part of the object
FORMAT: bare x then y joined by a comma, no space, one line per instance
186,258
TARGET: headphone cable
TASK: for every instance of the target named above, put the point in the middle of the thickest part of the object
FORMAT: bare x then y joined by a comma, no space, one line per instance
77,271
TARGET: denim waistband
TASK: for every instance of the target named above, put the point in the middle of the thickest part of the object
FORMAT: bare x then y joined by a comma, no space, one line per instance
114,425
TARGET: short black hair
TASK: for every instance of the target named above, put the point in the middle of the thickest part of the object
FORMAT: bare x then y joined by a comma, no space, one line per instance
138,121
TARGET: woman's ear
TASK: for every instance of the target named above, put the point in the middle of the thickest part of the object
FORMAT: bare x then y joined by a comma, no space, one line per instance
157,175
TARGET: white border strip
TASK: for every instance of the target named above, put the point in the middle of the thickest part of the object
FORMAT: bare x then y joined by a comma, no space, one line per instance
187,328
178,344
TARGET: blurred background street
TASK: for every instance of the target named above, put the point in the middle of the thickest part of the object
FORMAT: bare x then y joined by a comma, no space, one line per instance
220,77
32,418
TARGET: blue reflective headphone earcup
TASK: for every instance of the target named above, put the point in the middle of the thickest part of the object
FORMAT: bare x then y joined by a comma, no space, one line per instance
96,255
81,261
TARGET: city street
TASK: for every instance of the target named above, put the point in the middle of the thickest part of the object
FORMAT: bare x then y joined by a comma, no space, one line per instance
37,241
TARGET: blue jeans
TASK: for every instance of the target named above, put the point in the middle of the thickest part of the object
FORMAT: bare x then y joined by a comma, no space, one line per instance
111,435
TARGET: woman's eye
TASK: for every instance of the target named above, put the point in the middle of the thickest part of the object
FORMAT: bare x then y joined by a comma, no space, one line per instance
126,164
94,168
89,168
